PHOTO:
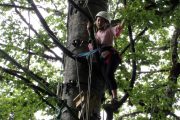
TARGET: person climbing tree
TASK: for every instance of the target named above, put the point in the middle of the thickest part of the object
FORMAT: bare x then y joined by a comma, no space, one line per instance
109,57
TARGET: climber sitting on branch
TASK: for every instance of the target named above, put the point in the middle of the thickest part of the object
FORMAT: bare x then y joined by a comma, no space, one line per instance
109,57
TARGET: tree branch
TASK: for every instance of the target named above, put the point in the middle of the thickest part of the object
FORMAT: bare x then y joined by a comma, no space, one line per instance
10,5
174,45
174,115
38,35
123,99
37,54
139,112
165,70
151,5
44,100
134,66
127,46
129,114
27,82
38,79
29,8
50,33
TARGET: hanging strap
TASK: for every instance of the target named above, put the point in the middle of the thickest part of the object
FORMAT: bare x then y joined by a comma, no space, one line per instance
87,54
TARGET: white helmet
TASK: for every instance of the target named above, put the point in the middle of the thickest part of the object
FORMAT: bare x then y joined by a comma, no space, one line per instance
104,15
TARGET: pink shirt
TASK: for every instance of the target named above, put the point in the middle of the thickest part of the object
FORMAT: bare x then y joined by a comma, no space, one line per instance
106,37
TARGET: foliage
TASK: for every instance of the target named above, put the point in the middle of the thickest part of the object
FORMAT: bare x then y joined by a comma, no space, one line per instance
32,49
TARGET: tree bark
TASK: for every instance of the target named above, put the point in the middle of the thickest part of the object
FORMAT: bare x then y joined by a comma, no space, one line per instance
78,76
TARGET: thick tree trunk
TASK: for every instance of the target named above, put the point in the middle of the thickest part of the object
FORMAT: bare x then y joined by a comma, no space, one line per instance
77,75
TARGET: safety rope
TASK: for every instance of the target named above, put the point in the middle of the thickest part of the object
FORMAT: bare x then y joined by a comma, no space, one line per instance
89,85
89,56
78,84
86,6
86,3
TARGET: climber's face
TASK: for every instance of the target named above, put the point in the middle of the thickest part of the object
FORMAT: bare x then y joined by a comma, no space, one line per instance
100,22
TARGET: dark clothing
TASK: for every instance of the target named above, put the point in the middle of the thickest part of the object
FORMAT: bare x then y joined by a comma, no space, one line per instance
109,66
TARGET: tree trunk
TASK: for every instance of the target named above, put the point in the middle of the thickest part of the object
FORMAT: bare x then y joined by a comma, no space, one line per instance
77,76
